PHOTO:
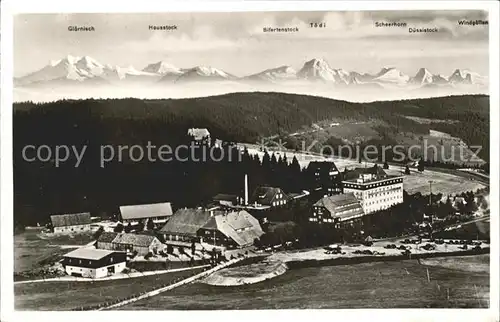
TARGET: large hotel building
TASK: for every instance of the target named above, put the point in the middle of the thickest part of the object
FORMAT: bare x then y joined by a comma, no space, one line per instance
374,189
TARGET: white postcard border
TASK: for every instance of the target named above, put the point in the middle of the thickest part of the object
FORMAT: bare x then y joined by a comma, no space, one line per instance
9,8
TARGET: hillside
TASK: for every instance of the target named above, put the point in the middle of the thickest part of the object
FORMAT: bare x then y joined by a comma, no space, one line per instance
248,117
42,188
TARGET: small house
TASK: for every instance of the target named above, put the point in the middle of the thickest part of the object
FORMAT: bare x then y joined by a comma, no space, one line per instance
128,242
269,196
93,263
226,199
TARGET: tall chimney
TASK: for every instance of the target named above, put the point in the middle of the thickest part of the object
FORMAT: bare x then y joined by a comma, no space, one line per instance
246,189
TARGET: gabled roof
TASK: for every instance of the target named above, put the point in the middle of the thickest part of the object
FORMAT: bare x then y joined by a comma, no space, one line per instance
70,219
139,212
240,226
186,221
134,239
343,205
88,253
266,195
107,237
323,165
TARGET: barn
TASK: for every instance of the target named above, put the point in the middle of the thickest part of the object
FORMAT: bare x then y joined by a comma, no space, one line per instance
156,212
71,223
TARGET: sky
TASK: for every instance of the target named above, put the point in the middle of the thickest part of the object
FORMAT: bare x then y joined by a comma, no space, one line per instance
235,42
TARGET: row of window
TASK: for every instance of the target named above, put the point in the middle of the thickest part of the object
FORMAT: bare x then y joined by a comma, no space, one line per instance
385,193
322,220
279,203
384,200
374,185
80,261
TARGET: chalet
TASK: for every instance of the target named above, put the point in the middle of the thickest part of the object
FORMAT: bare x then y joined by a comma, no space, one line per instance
127,242
155,211
325,177
225,199
93,263
184,224
71,223
269,196
337,210
231,229
199,135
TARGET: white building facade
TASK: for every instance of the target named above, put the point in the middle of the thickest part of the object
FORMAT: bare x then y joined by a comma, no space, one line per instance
375,192
94,263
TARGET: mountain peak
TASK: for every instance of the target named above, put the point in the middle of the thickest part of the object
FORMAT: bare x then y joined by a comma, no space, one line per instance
423,76
71,59
162,68
391,75
317,63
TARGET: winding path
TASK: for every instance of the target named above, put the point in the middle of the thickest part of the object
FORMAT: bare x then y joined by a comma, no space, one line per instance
172,286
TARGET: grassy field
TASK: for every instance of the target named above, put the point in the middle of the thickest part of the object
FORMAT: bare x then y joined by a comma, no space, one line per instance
32,249
478,264
399,284
70,295
475,230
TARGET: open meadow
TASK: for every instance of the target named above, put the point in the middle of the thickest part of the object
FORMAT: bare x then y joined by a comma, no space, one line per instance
34,249
397,284
70,295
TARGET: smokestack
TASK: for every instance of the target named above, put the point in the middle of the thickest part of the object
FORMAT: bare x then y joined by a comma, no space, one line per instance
246,189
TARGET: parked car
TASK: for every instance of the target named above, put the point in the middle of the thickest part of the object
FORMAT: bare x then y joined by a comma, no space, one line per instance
429,247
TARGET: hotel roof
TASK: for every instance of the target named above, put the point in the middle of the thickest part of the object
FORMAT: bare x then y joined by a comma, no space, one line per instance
341,206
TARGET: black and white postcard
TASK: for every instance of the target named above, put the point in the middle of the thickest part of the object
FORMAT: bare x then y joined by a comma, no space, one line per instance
260,156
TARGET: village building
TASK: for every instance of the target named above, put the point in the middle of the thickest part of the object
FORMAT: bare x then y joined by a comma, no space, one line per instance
105,240
158,212
233,229
269,196
71,223
93,263
337,210
199,135
226,199
184,224
325,177
226,228
128,242
374,189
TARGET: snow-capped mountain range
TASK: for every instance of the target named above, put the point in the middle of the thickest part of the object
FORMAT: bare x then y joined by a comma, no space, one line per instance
82,69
